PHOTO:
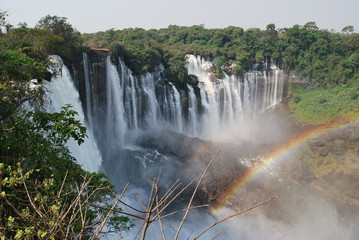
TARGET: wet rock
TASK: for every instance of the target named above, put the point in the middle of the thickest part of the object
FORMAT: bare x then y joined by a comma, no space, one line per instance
345,135
324,152
321,143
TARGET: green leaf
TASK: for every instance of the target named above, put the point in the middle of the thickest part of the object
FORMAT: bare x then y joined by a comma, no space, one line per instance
52,223
29,230
41,233
19,234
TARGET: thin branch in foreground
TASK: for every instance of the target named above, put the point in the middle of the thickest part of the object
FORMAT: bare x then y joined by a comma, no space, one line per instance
172,199
234,215
217,235
102,225
175,212
160,223
133,208
62,186
30,199
193,194
117,211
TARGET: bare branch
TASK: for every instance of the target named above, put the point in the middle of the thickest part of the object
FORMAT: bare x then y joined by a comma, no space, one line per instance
193,194
160,223
99,229
175,197
29,197
217,235
150,211
135,209
234,215
62,186
175,212
142,203
117,211
168,194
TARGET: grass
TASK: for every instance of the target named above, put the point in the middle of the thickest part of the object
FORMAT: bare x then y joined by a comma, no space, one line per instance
315,106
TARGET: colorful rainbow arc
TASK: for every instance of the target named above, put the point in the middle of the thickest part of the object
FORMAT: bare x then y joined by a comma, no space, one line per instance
274,156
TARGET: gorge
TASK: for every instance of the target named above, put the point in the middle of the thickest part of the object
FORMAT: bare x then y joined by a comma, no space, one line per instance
141,124
119,105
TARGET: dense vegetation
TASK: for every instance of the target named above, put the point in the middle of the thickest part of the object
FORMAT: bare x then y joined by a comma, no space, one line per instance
318,105
328,61
321,56
44,193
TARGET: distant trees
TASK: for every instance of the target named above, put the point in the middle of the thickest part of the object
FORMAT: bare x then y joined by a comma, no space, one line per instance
3,15
303,49
59,26
348,29
270,27
311,26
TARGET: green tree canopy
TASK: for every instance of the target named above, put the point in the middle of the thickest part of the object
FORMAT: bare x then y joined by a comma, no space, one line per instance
348,29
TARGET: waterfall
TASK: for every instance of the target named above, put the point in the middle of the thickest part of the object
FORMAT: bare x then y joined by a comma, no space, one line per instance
144,123
120,106
115,121
88,87
123,103
149,98
193,121
62,91
177,109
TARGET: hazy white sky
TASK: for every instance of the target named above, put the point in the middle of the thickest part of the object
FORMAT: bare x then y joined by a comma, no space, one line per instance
99,15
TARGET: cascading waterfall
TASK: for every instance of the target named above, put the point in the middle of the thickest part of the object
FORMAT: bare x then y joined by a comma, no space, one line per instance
126,114
177,109
61,91
193,128
229,100
89,97
135,103
115,121
121,108
149,98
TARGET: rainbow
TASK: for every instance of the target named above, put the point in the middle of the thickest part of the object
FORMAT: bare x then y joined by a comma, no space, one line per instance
275,156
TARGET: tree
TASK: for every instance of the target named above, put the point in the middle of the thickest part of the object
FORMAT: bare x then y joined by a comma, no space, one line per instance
348,30
311,25
17,67
59,26
270,27
42,188
3,15
220,61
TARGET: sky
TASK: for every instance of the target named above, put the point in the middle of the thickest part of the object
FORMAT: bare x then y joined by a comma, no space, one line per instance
89,16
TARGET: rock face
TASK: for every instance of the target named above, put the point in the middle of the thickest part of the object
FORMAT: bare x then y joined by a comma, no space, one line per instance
328,163
334,162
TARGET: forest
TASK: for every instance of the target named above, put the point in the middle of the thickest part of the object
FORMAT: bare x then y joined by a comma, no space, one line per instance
40,197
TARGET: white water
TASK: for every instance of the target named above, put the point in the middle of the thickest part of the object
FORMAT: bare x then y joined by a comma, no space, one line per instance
193,121
61,91
229,100
177,109
115,125
89,91
148,85
137,103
